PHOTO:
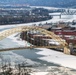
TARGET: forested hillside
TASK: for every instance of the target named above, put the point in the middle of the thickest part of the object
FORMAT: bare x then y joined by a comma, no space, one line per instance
57,3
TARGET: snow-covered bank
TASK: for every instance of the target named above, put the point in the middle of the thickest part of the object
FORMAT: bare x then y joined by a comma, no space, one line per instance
17,40
47,7
55,19
24,24
39,73
57,58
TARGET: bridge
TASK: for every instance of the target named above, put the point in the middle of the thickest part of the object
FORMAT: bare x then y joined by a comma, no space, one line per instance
37,37
69,12
65,12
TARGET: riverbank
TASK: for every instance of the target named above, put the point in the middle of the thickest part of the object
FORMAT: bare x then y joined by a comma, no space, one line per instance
55,19
58,58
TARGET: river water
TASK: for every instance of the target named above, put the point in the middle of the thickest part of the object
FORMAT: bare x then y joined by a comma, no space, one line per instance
26,53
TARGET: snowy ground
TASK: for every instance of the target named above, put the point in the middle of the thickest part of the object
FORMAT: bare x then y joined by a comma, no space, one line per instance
17,40
58,58
39,73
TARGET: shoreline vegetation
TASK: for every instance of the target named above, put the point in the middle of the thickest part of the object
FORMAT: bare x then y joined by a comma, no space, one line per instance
6,20
24,15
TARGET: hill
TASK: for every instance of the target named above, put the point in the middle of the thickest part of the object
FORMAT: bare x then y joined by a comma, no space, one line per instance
54,3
